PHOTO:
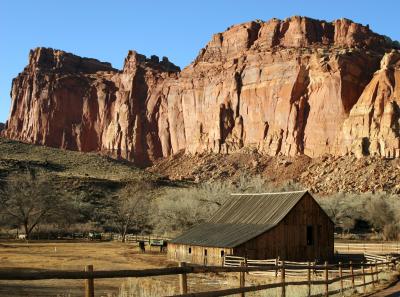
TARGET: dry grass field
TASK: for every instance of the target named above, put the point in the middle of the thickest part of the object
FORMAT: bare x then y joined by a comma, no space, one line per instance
74,255
68,255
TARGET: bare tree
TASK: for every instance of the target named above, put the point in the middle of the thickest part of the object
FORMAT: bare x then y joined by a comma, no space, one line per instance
379,212
178,209
28,200
343,209
129,208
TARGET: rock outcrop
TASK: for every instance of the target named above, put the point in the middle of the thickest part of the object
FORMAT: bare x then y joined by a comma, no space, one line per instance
373,126
297,86
2,126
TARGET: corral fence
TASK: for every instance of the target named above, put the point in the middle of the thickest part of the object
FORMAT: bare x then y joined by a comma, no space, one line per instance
367,247
138,238
298,269
328,274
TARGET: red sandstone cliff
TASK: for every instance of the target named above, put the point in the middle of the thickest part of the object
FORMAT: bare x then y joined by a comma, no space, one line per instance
298,86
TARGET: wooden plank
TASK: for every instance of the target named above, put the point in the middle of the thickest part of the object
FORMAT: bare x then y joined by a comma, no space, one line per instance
326,280
363,279
242,280
89,282
283,290
183,287
309,280
341,278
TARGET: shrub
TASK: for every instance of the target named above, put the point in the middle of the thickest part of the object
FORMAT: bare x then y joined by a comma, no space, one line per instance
391,232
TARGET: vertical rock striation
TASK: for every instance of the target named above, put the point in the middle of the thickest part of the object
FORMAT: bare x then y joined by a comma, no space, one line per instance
373,126
294,86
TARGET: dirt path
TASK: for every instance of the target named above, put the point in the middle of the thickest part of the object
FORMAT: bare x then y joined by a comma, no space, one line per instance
393,291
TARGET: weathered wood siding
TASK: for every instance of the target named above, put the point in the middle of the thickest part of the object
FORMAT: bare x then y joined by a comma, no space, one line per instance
288,240
180,252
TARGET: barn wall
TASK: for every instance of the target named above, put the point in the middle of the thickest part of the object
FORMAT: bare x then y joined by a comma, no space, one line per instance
288,240
180,252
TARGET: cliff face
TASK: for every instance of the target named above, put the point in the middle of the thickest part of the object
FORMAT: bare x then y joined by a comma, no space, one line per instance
61,100
373,126
298,86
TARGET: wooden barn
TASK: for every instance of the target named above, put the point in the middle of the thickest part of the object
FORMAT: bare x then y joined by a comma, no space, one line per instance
289,225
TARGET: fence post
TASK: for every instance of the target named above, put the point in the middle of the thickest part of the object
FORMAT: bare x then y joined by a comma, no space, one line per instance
372,274
377,271
352,275
363,276
326,280
242,278
309,278
283,292
341,278
89,283
183,280
276,267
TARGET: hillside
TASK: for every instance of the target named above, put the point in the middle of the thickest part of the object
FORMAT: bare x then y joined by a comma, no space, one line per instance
323,175
98,175
90,176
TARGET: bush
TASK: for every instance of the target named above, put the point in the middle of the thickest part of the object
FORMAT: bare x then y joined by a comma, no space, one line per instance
391,232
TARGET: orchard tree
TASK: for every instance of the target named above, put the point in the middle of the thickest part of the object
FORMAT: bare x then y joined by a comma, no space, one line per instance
129,208
29,199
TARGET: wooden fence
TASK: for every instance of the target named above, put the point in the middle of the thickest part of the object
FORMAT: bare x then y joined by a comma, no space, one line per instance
299,270
327,277
373,248
136,238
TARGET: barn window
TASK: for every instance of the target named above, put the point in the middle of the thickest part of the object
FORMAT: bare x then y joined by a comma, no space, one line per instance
222,254
310,235
205,252
190,250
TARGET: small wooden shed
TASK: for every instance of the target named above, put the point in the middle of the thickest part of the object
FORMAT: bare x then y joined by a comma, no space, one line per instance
289,225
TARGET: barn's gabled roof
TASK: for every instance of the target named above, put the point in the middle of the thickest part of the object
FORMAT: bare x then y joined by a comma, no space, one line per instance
241,218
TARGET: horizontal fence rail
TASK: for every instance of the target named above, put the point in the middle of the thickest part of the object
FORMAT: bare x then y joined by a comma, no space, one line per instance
374,248
328,274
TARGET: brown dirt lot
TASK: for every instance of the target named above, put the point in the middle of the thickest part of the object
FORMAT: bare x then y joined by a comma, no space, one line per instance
69,255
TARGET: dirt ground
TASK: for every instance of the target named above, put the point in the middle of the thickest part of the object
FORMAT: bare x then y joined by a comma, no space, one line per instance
75,255
391,291
68,255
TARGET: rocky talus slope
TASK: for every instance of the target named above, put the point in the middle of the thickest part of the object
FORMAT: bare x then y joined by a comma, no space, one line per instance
283,87
322,175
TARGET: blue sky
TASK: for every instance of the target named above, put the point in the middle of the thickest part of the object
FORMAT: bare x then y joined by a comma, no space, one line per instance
106,30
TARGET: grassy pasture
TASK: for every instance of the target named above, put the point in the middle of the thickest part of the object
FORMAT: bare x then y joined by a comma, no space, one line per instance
70,255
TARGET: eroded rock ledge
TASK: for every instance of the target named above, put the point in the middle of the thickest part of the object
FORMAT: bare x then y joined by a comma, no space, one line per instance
294,86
